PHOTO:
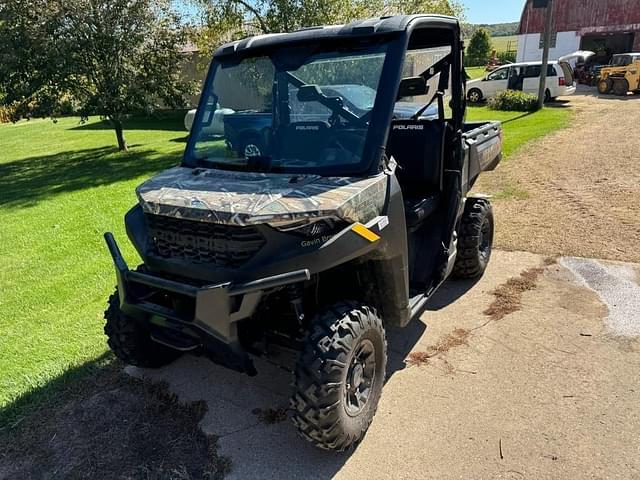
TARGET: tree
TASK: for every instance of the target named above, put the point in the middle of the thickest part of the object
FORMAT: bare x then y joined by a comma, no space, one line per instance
110,57
479,49
227,20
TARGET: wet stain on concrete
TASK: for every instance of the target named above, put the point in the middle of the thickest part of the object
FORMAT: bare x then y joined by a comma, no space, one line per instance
616,286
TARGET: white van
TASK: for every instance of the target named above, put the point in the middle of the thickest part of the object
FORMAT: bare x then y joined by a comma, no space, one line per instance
523,76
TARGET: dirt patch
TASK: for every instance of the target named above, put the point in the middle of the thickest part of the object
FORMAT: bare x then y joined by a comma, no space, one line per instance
582,183
417,359
508,296
112,426
454,339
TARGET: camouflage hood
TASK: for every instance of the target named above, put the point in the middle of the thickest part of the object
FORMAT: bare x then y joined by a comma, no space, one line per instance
243,198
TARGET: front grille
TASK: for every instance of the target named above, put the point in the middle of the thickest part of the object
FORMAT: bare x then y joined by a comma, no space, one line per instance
226,246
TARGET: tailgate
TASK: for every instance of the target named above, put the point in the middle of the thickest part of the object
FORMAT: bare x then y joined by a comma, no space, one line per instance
484,143
568,73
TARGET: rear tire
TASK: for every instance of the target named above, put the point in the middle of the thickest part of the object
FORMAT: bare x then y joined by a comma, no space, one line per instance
131,341
604,86
339,376
475,239
547,96
621,87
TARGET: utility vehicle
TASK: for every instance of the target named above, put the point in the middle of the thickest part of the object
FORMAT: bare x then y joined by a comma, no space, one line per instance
342,227
622,76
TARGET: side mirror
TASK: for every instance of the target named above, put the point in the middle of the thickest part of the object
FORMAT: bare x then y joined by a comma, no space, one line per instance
412,87
309,93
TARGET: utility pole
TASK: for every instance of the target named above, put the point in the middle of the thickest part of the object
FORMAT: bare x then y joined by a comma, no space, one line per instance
545,53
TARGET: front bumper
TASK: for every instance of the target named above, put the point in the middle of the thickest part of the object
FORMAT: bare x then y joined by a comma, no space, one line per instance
211,314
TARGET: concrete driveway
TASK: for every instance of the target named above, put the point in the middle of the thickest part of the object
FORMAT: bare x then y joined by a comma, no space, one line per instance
544,387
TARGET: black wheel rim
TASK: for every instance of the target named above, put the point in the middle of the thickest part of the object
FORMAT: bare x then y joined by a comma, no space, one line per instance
251,150
360,378
484,244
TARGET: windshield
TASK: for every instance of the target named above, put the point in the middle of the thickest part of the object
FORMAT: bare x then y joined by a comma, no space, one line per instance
621,60
296,110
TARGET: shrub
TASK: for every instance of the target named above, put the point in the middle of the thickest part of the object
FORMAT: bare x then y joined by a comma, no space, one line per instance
513,100
7,113
507,57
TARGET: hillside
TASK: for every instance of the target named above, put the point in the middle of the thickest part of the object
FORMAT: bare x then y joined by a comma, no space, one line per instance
495,29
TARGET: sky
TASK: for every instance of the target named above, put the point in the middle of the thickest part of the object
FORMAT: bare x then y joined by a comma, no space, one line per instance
478,11
493,11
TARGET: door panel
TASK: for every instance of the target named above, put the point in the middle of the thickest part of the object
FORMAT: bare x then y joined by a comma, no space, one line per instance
532,79
516,78
496,81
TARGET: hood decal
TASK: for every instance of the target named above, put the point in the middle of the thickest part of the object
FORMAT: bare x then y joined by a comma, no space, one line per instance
244,198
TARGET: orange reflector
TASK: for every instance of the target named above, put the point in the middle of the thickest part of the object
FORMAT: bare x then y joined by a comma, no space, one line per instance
365,232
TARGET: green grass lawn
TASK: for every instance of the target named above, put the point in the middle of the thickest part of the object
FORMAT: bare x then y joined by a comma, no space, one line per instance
502,44
520,128
61,186
476,72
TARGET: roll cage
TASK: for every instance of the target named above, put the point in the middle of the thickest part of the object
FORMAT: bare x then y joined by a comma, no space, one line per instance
401,34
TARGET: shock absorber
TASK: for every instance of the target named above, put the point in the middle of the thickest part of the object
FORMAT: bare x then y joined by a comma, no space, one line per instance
295,295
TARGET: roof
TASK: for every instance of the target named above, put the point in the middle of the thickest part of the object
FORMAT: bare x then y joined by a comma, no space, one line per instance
584,16
539,62
358,28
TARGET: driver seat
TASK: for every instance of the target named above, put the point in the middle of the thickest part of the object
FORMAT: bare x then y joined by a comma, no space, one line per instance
418,148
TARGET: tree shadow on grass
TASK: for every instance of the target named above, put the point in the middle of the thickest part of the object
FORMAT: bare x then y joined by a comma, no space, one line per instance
28,181
172,121
519,117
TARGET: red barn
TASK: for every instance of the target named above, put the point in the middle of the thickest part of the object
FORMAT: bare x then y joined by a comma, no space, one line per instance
603,26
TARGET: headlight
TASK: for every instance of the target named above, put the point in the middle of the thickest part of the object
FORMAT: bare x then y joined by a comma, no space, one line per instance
311,228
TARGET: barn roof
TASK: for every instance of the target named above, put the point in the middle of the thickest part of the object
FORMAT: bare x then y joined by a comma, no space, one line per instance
584,16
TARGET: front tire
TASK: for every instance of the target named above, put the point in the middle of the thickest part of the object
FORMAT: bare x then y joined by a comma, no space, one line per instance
339,376
252,146
474,95
475,241
605,86
131,341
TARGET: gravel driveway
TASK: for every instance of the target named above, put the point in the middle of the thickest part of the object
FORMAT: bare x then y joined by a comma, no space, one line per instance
579,186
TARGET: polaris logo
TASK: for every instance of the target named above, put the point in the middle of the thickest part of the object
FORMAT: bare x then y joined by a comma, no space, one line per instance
408,127
307,127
